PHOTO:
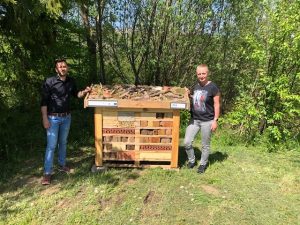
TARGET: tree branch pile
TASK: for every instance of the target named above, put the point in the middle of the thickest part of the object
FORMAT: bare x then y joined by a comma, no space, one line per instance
138,93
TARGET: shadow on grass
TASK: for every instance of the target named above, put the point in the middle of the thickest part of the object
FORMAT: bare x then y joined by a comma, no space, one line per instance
213,157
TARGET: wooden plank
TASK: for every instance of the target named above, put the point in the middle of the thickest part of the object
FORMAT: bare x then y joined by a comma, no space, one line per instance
137,111
98,136
123,103
126,116
157,156
85,102
138,165
110,114
175,138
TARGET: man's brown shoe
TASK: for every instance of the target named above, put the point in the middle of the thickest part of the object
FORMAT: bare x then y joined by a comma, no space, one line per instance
64,169
46,179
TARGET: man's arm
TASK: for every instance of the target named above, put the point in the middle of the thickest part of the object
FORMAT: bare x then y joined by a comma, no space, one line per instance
217,112
82,93
46,123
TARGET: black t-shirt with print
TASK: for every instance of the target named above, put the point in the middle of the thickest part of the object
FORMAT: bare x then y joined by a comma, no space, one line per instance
202,101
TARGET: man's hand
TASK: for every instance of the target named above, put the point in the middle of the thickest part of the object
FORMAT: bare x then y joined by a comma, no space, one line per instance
46,123
84,92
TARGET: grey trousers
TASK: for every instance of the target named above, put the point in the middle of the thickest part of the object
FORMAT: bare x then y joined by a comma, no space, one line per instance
190,134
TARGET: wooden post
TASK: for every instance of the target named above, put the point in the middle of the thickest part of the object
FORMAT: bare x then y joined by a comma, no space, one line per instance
98,120
175,138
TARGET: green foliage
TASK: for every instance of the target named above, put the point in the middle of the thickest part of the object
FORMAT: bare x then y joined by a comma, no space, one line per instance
271,103
252,49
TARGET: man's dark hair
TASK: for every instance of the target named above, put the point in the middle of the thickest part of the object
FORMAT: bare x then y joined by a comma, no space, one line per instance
58,60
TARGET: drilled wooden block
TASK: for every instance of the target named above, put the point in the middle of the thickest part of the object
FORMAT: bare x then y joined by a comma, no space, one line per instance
115,139
150,132
118,146
155,140
130,147
107,138
168,131
110,123
169,115
162,132
145,140
119,155
155,132
137,123
155,123
165,140
144,123
109,155
144,132
148,115
160,115
107,147
131,139
165,123
124,139
124,124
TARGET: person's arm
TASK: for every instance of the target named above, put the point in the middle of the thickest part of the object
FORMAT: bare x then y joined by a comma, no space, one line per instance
46,123
82,93
44,103
217,112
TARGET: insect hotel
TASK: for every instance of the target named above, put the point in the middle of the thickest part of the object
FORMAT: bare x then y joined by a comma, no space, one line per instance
136,126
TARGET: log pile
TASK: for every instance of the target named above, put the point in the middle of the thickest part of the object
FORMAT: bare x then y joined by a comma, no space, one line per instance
138,93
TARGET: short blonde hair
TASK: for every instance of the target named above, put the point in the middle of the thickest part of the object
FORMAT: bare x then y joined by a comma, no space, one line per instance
202,65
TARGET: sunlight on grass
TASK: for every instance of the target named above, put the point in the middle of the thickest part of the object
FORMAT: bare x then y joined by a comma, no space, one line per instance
241,186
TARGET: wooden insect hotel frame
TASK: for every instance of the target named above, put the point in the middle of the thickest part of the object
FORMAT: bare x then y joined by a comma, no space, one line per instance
135,133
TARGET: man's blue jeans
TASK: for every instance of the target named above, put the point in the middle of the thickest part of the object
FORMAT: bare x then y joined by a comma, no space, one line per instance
190,134
57,135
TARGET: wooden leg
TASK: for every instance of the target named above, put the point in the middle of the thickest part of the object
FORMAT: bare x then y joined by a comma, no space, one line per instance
175,138
98,119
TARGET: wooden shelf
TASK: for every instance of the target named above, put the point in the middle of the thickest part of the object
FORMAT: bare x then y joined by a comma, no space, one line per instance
137,143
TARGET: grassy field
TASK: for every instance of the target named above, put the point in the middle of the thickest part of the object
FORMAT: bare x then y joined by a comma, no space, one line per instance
243,185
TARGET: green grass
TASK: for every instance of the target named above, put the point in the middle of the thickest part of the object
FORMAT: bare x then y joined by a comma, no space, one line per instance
243,185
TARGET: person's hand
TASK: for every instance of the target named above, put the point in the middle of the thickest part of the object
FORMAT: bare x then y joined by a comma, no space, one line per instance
86,90
214,125
46,123
188,91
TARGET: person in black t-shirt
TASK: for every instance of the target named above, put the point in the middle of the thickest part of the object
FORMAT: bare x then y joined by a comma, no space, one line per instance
55,108
205,110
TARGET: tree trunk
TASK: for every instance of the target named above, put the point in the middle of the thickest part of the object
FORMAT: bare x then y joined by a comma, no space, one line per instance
99,31
92,71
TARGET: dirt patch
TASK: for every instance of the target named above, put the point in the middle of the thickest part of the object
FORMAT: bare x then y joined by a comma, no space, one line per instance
64,203
51,189
148,198
151,202
104,203
211,190
131,181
